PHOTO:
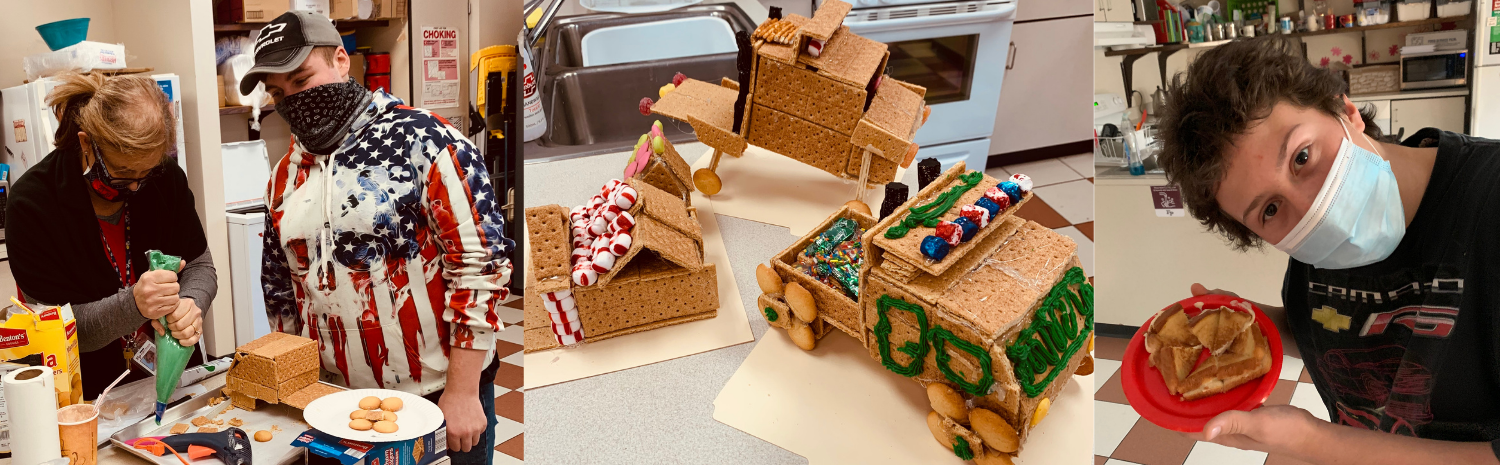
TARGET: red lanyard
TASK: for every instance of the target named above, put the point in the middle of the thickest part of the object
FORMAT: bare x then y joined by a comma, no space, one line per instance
128,278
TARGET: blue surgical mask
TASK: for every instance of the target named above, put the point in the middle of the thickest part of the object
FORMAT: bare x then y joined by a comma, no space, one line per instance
1357,218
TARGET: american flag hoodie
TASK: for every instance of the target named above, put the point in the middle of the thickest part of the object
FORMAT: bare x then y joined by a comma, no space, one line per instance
387,252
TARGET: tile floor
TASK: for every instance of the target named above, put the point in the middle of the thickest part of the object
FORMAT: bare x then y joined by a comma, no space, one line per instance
1064,199
1121,437
509,407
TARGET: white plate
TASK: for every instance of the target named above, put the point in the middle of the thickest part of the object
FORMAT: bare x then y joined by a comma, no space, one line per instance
330,414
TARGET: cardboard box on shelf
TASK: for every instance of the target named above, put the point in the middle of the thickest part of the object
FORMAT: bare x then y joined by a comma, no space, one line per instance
249,11
343,9
389,9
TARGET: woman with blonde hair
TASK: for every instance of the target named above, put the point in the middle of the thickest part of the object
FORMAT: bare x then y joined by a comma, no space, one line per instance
79,224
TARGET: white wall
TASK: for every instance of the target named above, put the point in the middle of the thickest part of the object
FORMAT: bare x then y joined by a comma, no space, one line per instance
18,25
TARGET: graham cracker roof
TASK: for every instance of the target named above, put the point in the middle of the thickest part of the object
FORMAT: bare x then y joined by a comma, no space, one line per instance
848,57
1006,284
549,235
273,345
663,226
895,108
708,108
827,20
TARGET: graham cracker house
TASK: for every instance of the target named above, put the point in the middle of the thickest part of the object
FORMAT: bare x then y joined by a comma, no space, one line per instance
661,280
813,91
276,368
1003,320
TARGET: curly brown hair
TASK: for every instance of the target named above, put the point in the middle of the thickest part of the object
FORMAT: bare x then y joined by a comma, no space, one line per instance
1226,91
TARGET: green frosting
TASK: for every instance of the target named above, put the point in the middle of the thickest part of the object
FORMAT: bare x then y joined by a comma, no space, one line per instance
927,215
1054,335
771,315
962,450
160,261
944,361
917,350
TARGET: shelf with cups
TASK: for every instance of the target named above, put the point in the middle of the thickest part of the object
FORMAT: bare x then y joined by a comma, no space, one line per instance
1163,52
342,25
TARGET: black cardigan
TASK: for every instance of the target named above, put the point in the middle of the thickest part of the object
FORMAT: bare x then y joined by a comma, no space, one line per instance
52,232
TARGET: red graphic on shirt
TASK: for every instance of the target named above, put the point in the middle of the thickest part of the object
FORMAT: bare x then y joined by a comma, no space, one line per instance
1421,320
436,288
299,252
370,334
312,330
340,342
406,315
1378,389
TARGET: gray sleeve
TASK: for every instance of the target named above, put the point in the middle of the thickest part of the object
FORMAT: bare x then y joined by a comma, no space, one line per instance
199,281
105,320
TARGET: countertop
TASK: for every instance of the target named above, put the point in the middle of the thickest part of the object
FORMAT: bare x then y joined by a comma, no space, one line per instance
663,412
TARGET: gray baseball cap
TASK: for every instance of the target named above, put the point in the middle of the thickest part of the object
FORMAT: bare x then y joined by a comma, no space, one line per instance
285,43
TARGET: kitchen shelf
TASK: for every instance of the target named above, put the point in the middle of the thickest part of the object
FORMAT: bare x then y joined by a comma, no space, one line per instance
1176,47
243,109
1163,52
343,25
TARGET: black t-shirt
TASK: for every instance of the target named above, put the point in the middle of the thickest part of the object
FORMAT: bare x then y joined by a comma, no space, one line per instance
1411,345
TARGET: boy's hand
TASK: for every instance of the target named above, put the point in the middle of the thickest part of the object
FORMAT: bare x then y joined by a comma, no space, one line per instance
1276,429
466,419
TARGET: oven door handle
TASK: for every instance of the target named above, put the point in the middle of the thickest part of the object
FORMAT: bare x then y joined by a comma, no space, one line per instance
1006,11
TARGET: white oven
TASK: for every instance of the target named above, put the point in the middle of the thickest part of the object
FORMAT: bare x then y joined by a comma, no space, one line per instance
958,51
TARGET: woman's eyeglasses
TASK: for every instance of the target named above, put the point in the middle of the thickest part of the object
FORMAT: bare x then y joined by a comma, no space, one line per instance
119,182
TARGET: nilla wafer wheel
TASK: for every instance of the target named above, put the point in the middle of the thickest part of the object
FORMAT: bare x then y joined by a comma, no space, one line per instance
947,402
855,205
707,181
802,303
802,335
1041,411
770,282
1085,367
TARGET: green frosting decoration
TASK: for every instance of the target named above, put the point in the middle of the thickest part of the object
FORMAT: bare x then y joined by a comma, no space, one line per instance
917,350
927,215
771,315
961,449
944,361
1054,335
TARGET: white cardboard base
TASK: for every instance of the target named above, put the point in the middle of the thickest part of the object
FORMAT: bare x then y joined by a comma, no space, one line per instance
730,327
837,405
770,188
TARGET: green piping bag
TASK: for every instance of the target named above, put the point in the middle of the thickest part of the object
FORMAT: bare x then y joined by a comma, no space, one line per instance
171,356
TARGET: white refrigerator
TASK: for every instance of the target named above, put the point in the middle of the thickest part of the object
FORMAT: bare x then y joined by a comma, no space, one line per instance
1484,121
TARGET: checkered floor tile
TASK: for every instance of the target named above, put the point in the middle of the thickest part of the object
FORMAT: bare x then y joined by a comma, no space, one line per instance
1064,199
1121,437
509,404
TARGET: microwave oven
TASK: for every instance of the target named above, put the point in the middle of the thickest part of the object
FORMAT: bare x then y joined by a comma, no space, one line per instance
1446,68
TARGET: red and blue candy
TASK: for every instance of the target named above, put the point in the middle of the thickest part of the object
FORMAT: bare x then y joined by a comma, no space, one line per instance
935,248
949,232
967,227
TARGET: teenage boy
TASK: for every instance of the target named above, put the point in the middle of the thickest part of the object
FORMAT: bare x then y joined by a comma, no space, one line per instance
1392,291
383,238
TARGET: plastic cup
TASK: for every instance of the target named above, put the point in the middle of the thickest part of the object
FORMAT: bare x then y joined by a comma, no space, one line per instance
78,427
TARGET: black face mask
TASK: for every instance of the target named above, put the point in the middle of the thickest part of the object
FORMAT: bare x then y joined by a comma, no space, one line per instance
320,117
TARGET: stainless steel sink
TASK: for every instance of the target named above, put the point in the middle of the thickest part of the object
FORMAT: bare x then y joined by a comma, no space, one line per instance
596,110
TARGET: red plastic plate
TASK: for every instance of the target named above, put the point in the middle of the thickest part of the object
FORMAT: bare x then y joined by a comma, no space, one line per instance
1148,394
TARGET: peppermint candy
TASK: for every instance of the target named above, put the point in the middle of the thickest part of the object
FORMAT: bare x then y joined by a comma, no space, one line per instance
603,261
622,223
620,244
584,274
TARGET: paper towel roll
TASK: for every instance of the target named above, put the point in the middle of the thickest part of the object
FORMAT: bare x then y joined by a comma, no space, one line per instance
31,405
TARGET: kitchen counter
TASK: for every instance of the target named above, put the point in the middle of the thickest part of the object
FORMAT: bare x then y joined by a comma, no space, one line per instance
663,412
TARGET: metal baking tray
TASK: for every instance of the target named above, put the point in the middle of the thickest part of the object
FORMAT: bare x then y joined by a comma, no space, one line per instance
278,450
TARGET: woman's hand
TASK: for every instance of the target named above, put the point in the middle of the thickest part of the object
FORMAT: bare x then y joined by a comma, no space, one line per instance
1276,429
185,322
156,293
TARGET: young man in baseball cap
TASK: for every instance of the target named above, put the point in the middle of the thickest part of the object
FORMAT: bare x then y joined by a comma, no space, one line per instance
384,241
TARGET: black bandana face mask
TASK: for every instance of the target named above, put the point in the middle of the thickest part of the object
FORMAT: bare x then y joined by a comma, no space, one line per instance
320,117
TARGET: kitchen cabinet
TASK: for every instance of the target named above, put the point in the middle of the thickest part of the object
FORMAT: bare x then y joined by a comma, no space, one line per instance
1382,110
1040,101
1443,113
1113,11
1034,10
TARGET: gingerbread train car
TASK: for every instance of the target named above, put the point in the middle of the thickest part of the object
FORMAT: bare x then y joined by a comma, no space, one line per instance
811,90
990,312
629,260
